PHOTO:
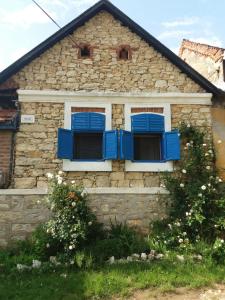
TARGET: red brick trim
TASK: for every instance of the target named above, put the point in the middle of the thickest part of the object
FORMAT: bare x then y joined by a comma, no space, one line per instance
147,109
88,109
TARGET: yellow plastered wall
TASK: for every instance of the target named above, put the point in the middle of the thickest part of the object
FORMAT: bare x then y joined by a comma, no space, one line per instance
218,118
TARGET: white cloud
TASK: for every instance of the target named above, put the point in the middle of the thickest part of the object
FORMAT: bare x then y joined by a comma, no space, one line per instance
24,17
211,40
174,34
181,22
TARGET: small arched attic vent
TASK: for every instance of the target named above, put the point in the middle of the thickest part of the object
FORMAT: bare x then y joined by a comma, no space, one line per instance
124,52
85,51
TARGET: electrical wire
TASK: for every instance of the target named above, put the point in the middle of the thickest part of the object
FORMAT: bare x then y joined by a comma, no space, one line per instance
42,9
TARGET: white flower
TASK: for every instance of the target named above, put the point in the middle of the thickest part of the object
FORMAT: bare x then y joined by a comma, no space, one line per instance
162,185
220,180
200,194
73,204
204,145
209,184
187,214
60,172
219,142
64,183
210,151
206,154
50,175
181,185
188,125
184,171
188,144
36,264
208,167
38,201
70,247
63,275
222,241
83,193
170,226
180,241
60,181
73,181
47,245
203,187
184,233
89,223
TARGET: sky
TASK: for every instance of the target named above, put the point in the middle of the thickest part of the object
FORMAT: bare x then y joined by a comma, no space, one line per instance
23,25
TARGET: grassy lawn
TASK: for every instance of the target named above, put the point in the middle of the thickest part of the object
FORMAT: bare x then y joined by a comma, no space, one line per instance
107,281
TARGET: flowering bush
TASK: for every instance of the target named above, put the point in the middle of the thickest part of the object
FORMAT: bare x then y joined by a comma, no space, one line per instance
198,203
71,223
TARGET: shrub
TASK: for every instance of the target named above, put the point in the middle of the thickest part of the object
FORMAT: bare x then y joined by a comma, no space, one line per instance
198,202
72,225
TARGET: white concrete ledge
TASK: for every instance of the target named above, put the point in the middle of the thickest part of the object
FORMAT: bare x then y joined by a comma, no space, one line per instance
113,97
101,190
23,192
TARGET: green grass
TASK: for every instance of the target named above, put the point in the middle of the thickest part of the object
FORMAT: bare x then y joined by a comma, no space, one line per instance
104,282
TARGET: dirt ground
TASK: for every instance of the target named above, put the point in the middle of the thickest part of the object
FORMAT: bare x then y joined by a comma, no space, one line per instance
215,293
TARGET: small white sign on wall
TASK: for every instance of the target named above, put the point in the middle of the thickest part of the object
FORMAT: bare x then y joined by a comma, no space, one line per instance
27,119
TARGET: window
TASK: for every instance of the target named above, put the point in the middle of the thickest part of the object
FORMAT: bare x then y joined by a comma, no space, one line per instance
87,140
124,53
88,146
85,51
148,144
147,147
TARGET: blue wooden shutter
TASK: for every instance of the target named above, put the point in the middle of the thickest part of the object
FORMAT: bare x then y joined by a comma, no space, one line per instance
88,121
126,145
171,147
80,121
96,122
110,144
65,143
147,123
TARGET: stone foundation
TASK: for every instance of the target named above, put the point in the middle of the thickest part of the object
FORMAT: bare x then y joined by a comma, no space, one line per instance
20,212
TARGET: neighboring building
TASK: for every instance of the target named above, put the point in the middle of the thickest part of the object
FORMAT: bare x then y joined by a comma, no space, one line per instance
9,121
104,112
210,62
207,60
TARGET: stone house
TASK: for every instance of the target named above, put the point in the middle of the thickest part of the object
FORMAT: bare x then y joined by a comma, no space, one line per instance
210,62
101,99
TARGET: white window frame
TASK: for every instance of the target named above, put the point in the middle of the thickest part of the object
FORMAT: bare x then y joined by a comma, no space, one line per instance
69,165
131,166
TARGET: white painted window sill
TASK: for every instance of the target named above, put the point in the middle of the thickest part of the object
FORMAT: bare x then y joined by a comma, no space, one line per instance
148,167
101,166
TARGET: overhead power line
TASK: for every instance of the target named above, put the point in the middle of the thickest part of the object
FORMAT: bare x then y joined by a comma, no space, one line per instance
42,9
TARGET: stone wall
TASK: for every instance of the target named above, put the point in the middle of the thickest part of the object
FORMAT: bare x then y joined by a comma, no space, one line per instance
60,67
21,213
36,147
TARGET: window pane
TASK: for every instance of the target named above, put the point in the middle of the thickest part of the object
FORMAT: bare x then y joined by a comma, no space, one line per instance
88,146
147,147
